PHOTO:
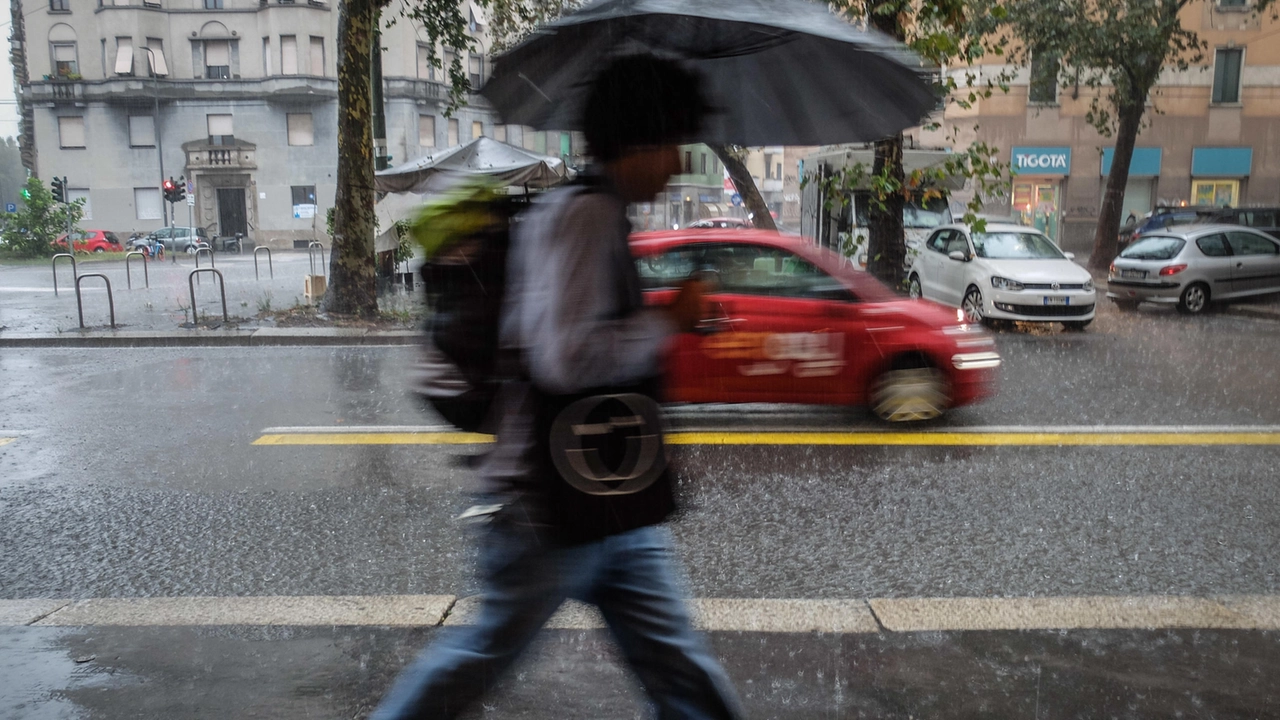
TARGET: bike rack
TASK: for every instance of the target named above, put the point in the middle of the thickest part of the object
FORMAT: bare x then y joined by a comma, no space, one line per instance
312,260
255,262
222,285
212,264
146,275
111,303
54,264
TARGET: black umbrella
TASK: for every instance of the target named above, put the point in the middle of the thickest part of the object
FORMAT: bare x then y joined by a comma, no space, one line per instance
777,72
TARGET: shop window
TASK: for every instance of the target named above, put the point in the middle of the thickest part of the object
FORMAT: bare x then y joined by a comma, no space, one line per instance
1218,193
1226,75
1036,205
1044,78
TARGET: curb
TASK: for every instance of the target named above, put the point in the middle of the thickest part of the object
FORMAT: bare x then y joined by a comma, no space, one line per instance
265,337
1253,312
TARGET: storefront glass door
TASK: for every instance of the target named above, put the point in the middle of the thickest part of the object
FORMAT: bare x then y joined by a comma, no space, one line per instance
1036,205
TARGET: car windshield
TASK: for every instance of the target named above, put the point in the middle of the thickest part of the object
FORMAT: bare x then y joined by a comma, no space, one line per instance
1015,246
1154,247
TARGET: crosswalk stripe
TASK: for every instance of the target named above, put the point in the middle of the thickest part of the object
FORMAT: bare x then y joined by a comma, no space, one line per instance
921,438
766,615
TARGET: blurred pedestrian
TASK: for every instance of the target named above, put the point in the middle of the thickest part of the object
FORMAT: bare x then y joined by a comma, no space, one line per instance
577,481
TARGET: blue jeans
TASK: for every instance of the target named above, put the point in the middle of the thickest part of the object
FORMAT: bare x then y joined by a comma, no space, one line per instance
630,577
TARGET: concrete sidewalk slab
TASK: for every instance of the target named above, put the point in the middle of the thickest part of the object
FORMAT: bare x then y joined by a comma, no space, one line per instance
230,337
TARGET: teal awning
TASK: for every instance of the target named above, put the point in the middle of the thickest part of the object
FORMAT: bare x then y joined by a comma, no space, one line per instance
1145,162
1221,162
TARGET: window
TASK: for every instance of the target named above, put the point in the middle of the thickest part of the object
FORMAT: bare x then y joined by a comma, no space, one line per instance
477,129
425,70
217,59
146,203
1220,193
60,5
759,270
220,130
124,56
768,166
704,164
475,71
1213,245
453,132
1044,78
212,4
500,133
1243,243
1233,3
669,269
288,55
304,201
447,61
777,171
1226,75
940,240
1258,218
64,60
155,58
142,131
688,162
266,57
426,131
300,129
71,132
74,194
317,56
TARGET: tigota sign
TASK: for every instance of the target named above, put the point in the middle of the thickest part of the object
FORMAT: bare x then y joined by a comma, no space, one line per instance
1042,160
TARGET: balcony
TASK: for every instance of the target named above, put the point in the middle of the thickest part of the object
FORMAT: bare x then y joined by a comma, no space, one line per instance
129,90
414,89
225,156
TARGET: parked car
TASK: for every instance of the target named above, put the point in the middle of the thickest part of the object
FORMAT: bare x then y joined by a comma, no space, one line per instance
794,323
1266,219
182,239
721,222
1161,218
1194,265
91,241
1007,272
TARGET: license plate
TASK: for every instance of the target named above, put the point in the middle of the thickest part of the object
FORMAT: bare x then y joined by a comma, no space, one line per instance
1134,274
1057,301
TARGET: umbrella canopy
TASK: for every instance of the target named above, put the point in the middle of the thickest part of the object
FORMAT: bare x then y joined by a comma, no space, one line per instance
777,72
508,164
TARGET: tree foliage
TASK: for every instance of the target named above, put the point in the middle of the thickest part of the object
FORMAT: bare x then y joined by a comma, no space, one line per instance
30,231
1117,50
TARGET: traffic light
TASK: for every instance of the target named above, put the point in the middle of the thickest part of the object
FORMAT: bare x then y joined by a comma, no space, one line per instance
59,186
180,191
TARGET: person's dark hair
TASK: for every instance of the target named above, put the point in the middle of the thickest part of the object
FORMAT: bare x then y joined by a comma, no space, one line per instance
641,100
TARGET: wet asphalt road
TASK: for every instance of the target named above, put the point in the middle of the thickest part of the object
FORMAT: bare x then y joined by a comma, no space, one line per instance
132,474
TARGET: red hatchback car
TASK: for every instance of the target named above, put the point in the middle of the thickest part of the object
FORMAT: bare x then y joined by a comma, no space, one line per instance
95,241
793,323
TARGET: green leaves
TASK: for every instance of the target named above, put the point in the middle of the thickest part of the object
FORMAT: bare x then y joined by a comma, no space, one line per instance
39,221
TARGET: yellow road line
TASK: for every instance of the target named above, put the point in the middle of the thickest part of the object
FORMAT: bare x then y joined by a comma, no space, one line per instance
965,439
6,441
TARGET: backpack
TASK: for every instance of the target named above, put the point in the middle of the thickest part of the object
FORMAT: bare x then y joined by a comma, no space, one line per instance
465,235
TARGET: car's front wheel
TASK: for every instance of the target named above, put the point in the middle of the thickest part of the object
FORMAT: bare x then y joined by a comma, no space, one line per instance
913,287
907,394
1194,299
972,306
99,250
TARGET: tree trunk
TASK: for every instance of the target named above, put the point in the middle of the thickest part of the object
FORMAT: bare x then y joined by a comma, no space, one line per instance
886,244
1105,245
352,269
746,187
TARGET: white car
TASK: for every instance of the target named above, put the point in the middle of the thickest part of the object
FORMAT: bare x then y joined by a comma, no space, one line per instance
1007,272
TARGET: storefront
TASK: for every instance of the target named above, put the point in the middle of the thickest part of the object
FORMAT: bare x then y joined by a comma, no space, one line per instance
1140,192
1038,186
1216,175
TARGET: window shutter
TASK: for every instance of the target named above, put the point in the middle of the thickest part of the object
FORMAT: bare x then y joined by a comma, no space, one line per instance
217,53
288,55
301,131
219,125
124,56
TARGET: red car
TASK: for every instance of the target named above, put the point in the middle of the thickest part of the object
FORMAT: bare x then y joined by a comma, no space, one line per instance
794,323
87,241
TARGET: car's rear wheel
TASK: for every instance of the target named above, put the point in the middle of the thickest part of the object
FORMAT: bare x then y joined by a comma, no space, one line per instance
99,250
913,287
1194,299
1076,325
909,392
972,306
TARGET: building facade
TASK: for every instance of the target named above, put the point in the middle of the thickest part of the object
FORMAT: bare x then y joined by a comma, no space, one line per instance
1211,137
239,97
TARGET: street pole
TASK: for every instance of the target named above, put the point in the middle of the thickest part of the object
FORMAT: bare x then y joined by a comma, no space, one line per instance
155,120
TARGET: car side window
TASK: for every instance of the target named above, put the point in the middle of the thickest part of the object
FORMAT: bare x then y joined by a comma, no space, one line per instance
1213,245
668,269
772,272
940,241
1250,244
958,243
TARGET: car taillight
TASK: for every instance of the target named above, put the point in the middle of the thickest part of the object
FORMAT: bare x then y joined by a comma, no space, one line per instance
1171,270
1113,268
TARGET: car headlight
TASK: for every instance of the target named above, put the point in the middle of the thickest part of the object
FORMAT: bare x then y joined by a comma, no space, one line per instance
1005,283
1088,285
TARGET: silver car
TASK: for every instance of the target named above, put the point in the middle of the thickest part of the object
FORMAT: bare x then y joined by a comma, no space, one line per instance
1193,265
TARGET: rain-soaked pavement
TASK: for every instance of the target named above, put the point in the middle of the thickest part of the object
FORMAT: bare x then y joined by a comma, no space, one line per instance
131,473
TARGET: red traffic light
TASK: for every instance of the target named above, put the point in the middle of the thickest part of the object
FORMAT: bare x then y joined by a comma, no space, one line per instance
169,186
